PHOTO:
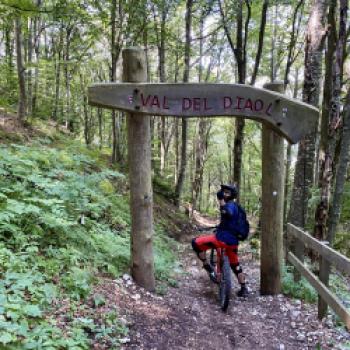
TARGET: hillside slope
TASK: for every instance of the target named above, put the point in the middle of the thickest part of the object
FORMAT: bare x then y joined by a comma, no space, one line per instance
64,225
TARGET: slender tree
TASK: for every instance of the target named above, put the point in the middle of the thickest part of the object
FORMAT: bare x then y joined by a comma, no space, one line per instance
22,98
181,178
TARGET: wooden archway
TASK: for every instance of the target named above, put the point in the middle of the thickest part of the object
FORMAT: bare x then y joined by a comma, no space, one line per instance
281,117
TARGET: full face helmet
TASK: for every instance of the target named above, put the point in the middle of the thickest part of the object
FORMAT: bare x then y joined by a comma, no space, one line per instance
231,188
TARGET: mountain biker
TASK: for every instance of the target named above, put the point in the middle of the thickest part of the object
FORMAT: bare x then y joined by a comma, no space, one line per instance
224,237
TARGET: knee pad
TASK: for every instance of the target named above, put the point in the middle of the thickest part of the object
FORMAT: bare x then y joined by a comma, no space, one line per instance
236,268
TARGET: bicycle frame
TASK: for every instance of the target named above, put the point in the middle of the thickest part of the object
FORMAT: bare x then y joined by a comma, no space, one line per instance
217,265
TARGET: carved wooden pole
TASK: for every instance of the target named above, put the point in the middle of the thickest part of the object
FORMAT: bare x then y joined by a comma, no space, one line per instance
272,206
139,157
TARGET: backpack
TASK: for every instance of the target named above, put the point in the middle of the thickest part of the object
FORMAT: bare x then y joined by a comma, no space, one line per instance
242,224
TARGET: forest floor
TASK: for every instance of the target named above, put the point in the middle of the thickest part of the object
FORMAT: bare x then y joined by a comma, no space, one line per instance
188,316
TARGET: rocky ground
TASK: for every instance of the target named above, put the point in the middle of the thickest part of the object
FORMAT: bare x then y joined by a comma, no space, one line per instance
188,317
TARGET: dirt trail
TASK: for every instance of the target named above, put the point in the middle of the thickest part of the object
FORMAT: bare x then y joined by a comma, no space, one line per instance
188,317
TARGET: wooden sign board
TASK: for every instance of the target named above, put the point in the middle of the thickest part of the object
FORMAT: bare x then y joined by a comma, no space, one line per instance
291,118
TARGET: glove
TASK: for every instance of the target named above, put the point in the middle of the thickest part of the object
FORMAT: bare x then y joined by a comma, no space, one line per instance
220,195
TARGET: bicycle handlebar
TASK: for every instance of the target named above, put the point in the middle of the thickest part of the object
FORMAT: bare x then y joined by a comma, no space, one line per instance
202,229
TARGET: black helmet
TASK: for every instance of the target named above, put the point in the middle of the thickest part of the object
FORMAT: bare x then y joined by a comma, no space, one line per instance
232,188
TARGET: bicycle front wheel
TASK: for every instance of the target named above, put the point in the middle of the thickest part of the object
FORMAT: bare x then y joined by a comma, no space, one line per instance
225,284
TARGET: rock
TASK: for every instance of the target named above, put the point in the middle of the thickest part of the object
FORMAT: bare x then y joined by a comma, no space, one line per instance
301,337
124,340
283,308
297,302
293,325
127,277
281,347
294,314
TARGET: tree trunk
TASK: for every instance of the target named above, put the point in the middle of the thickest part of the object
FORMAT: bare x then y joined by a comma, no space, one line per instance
328,169
289,150
9,48
37,26
241,54
115,53
261,41
30,50
328,87
181,178
292,42
100,126
335,209
58,74
341,175
273,72
303,176
201,143
67,75
20,71
139,156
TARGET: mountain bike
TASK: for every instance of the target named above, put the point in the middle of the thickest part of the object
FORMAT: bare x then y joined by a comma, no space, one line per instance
222,274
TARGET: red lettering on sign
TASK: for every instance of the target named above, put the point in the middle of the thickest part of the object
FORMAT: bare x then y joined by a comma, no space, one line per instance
143,101
196,104
165,103
227,102
155,101
238,102
258,105
248,104
186,103
206,107
268,109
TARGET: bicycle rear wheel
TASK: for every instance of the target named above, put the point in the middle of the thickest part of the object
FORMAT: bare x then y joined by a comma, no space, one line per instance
225,285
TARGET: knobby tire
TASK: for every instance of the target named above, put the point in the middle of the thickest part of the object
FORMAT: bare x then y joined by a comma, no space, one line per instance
225,284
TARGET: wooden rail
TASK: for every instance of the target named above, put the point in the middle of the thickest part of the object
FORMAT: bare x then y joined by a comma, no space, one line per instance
341,262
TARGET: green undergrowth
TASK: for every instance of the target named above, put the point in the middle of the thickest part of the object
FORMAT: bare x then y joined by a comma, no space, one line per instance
64,219
299,290
304,291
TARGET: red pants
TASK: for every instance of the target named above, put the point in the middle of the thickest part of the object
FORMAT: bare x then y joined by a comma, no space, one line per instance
203,243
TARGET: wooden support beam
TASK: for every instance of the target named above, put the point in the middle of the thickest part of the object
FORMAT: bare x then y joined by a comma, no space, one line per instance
322,290
272,207
141,197
341,262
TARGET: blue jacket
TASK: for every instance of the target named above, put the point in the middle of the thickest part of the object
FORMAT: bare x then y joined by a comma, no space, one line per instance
226,229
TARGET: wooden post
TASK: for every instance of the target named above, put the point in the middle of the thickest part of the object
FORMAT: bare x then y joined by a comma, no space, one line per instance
139,158
272,206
